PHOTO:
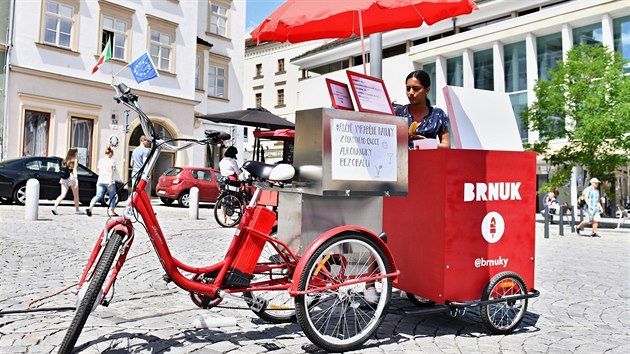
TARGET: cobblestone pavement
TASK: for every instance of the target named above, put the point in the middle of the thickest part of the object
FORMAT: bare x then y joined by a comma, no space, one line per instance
584,305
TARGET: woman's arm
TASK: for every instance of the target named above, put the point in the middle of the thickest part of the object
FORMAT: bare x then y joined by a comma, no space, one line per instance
445,140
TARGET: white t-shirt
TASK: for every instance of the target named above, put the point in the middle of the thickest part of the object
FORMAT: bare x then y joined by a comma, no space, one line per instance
104,165
228,166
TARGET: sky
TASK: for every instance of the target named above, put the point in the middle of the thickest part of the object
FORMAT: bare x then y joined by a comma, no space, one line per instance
258,10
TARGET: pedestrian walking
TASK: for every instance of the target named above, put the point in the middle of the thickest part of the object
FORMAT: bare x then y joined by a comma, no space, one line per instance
138,157
106,182
69,180
592,208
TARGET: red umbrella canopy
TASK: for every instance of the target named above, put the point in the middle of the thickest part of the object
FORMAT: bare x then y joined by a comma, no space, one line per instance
305,20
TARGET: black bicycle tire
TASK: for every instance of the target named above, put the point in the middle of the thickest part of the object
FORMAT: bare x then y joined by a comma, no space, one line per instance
485,315
302,308
217,207
96,284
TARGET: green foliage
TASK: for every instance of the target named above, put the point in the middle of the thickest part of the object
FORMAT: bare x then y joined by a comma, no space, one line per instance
586,102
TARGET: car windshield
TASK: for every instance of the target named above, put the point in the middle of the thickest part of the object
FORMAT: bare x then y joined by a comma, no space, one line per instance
173,171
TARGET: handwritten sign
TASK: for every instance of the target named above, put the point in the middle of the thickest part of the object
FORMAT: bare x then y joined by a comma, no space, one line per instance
363,151
339,95
370,93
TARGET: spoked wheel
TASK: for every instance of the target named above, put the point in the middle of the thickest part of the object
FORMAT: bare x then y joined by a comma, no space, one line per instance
343,318
228,210
504,317
93,293
270,266
420,301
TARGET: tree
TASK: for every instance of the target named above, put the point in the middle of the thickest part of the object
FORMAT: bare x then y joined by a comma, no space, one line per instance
586,102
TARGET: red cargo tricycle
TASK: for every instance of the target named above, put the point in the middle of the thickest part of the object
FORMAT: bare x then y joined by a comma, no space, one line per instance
464,235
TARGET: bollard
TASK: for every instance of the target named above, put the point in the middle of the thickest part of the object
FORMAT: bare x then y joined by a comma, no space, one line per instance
561,226
31,205
546,221
193,205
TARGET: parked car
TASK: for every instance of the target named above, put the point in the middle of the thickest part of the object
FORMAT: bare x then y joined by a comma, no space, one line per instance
14,174
175,183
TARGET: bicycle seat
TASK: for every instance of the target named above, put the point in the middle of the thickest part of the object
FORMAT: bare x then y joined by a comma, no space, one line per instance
281,172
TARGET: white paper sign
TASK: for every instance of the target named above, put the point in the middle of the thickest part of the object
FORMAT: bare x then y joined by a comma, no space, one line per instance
363,151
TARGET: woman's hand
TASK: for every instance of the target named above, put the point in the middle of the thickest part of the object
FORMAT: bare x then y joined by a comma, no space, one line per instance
415,137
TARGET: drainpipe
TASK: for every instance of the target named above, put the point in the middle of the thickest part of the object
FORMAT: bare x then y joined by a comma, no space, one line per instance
5,119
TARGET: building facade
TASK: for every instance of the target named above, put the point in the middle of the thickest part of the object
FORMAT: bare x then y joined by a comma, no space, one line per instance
505,46
54,102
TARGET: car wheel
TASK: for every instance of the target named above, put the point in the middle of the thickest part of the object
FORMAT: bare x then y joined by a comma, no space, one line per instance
6,200
105,200
167,201
19,195
184,199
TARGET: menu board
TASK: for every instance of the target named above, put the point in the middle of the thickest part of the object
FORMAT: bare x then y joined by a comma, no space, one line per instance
339,95
370,93
363,151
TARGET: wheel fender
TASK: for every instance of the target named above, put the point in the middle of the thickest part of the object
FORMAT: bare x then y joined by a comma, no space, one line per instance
299,269
119,224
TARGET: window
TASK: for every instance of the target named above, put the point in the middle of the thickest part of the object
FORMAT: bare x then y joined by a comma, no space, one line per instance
588,34
484,70
621,36
219,18
519,103
454,71
59,23
115,26
280,66
280,102
258,71
162,43
160,48
259,99
217,76
199,71
35,133
115,30
515,67
328,68
549,50
81,138
430,69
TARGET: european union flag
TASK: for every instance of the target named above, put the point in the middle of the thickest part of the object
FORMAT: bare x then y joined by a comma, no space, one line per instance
143,68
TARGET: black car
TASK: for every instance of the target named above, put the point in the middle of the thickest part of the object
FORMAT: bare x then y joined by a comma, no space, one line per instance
15,172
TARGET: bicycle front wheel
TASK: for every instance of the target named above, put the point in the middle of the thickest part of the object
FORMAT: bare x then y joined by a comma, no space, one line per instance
94,292
344,317
228,210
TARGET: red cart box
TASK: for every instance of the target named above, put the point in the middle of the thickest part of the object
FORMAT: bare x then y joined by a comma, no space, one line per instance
469,215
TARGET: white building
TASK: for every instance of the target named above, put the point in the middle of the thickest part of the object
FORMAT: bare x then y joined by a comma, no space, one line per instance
54,102
505,46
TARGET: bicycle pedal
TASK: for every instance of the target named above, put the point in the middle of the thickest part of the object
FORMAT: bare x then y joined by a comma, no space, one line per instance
258,304
166,278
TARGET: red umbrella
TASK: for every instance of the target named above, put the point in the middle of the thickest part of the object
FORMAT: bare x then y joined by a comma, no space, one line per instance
305,20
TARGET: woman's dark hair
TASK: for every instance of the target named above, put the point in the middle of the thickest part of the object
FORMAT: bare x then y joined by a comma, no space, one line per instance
424,79
231,152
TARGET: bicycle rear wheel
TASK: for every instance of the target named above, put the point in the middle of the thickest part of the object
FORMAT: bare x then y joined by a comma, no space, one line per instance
228,210
94,291
343,318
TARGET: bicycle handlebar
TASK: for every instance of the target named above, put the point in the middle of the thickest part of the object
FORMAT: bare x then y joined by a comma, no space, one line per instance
126,97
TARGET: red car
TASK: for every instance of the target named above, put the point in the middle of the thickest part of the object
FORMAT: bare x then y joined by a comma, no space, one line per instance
175,184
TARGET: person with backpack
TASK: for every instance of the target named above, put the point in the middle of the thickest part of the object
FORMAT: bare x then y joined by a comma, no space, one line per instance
592,207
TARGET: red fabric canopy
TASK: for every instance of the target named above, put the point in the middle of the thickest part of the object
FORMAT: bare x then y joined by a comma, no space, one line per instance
304,20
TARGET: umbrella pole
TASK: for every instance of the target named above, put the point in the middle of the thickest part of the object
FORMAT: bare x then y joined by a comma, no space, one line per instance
362,43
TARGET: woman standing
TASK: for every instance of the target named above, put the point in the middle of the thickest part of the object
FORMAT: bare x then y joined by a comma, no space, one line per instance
106,182
69,164
424,121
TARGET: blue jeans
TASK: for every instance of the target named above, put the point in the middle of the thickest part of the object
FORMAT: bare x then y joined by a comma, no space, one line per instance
100,192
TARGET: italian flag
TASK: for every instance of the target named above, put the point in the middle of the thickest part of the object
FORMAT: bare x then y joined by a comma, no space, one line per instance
105,56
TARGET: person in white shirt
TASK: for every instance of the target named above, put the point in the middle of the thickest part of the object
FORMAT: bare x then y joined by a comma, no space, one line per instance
228,165
106,182
138,157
